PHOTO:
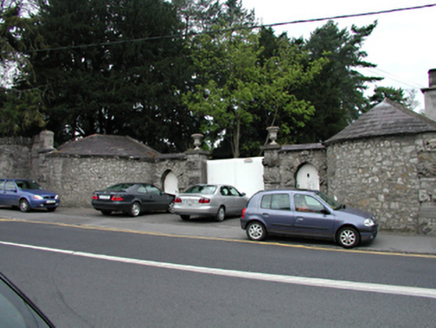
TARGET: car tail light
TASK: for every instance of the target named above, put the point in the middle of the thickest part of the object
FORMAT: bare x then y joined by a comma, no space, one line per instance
204,201
178,200
116,198
243,213
94,197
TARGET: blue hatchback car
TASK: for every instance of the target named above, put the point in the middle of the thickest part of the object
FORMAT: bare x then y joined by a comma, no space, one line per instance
26,195
306,213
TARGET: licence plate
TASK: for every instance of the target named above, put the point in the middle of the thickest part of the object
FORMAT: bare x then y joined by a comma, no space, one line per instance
104,197
50,202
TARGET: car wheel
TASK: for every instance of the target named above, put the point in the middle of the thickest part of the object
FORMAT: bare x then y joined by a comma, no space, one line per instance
24,206
171,207
185,217
348,237
221,214
256,231
135,209
106,212
51,209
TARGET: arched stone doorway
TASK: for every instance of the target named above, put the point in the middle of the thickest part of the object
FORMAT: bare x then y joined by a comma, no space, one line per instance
307,177
171,184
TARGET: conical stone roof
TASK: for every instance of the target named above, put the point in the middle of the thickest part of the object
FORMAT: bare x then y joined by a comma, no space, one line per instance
385,119
107,145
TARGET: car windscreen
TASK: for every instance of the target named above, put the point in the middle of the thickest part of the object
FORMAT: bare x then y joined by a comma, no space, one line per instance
27,184
120,187
329,200
203,189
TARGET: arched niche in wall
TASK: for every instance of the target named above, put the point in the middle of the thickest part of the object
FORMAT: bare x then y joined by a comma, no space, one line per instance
307,177
170,183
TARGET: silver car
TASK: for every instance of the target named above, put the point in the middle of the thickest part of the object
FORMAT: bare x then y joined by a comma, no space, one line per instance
210,200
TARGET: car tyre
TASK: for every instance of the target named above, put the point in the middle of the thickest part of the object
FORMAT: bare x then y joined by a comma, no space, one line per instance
171,207
185,217
348,237
135,209
24,205
106,212
256,231
221,214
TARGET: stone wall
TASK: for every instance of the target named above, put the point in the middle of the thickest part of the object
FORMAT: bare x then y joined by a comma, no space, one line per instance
281,164
15,157
427,184
75,178
381,175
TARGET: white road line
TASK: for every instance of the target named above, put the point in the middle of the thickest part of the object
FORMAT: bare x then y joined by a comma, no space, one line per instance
313,282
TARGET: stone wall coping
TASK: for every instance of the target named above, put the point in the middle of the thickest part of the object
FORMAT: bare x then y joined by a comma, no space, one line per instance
300,147
197,152
142,159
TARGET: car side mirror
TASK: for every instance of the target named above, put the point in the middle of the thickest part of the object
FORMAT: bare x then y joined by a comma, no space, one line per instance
243,194
13,190
325,211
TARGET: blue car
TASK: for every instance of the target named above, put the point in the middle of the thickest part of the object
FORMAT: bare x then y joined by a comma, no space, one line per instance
306,213
26,195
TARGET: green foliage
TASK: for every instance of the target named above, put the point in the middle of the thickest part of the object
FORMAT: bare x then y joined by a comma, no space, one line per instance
235,90
397,95
20,112
108,71
21,108
338,92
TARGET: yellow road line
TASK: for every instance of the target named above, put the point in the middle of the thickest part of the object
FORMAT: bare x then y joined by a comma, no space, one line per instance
160,234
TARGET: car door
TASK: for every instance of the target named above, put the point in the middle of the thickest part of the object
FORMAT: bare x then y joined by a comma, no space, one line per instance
236,200
276,212
2,192
10,196
154,199
312,217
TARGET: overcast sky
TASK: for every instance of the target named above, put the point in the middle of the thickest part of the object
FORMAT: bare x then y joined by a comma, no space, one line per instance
403,45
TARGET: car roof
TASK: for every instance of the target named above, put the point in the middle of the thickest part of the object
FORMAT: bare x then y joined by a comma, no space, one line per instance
268,191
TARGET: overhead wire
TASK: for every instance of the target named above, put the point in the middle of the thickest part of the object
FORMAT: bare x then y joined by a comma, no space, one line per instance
174,36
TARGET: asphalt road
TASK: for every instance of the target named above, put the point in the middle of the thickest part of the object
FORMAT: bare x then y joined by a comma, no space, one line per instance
91,275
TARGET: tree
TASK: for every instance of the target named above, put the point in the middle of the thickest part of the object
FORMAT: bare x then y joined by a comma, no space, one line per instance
21,108
338,92
111,69
397,95
234,90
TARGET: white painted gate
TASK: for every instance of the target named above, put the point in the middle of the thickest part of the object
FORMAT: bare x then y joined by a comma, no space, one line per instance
246,174
308,177
171,184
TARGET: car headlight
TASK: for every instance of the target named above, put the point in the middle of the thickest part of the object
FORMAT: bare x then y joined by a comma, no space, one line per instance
57,196
369,222
37,197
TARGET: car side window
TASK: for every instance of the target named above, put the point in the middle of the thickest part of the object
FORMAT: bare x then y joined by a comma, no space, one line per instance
10,185
224,191
306,203
2,182
233,191
276,202
153,190
142,189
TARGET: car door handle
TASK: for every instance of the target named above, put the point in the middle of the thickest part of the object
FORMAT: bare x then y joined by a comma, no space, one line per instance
300,219
265,214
